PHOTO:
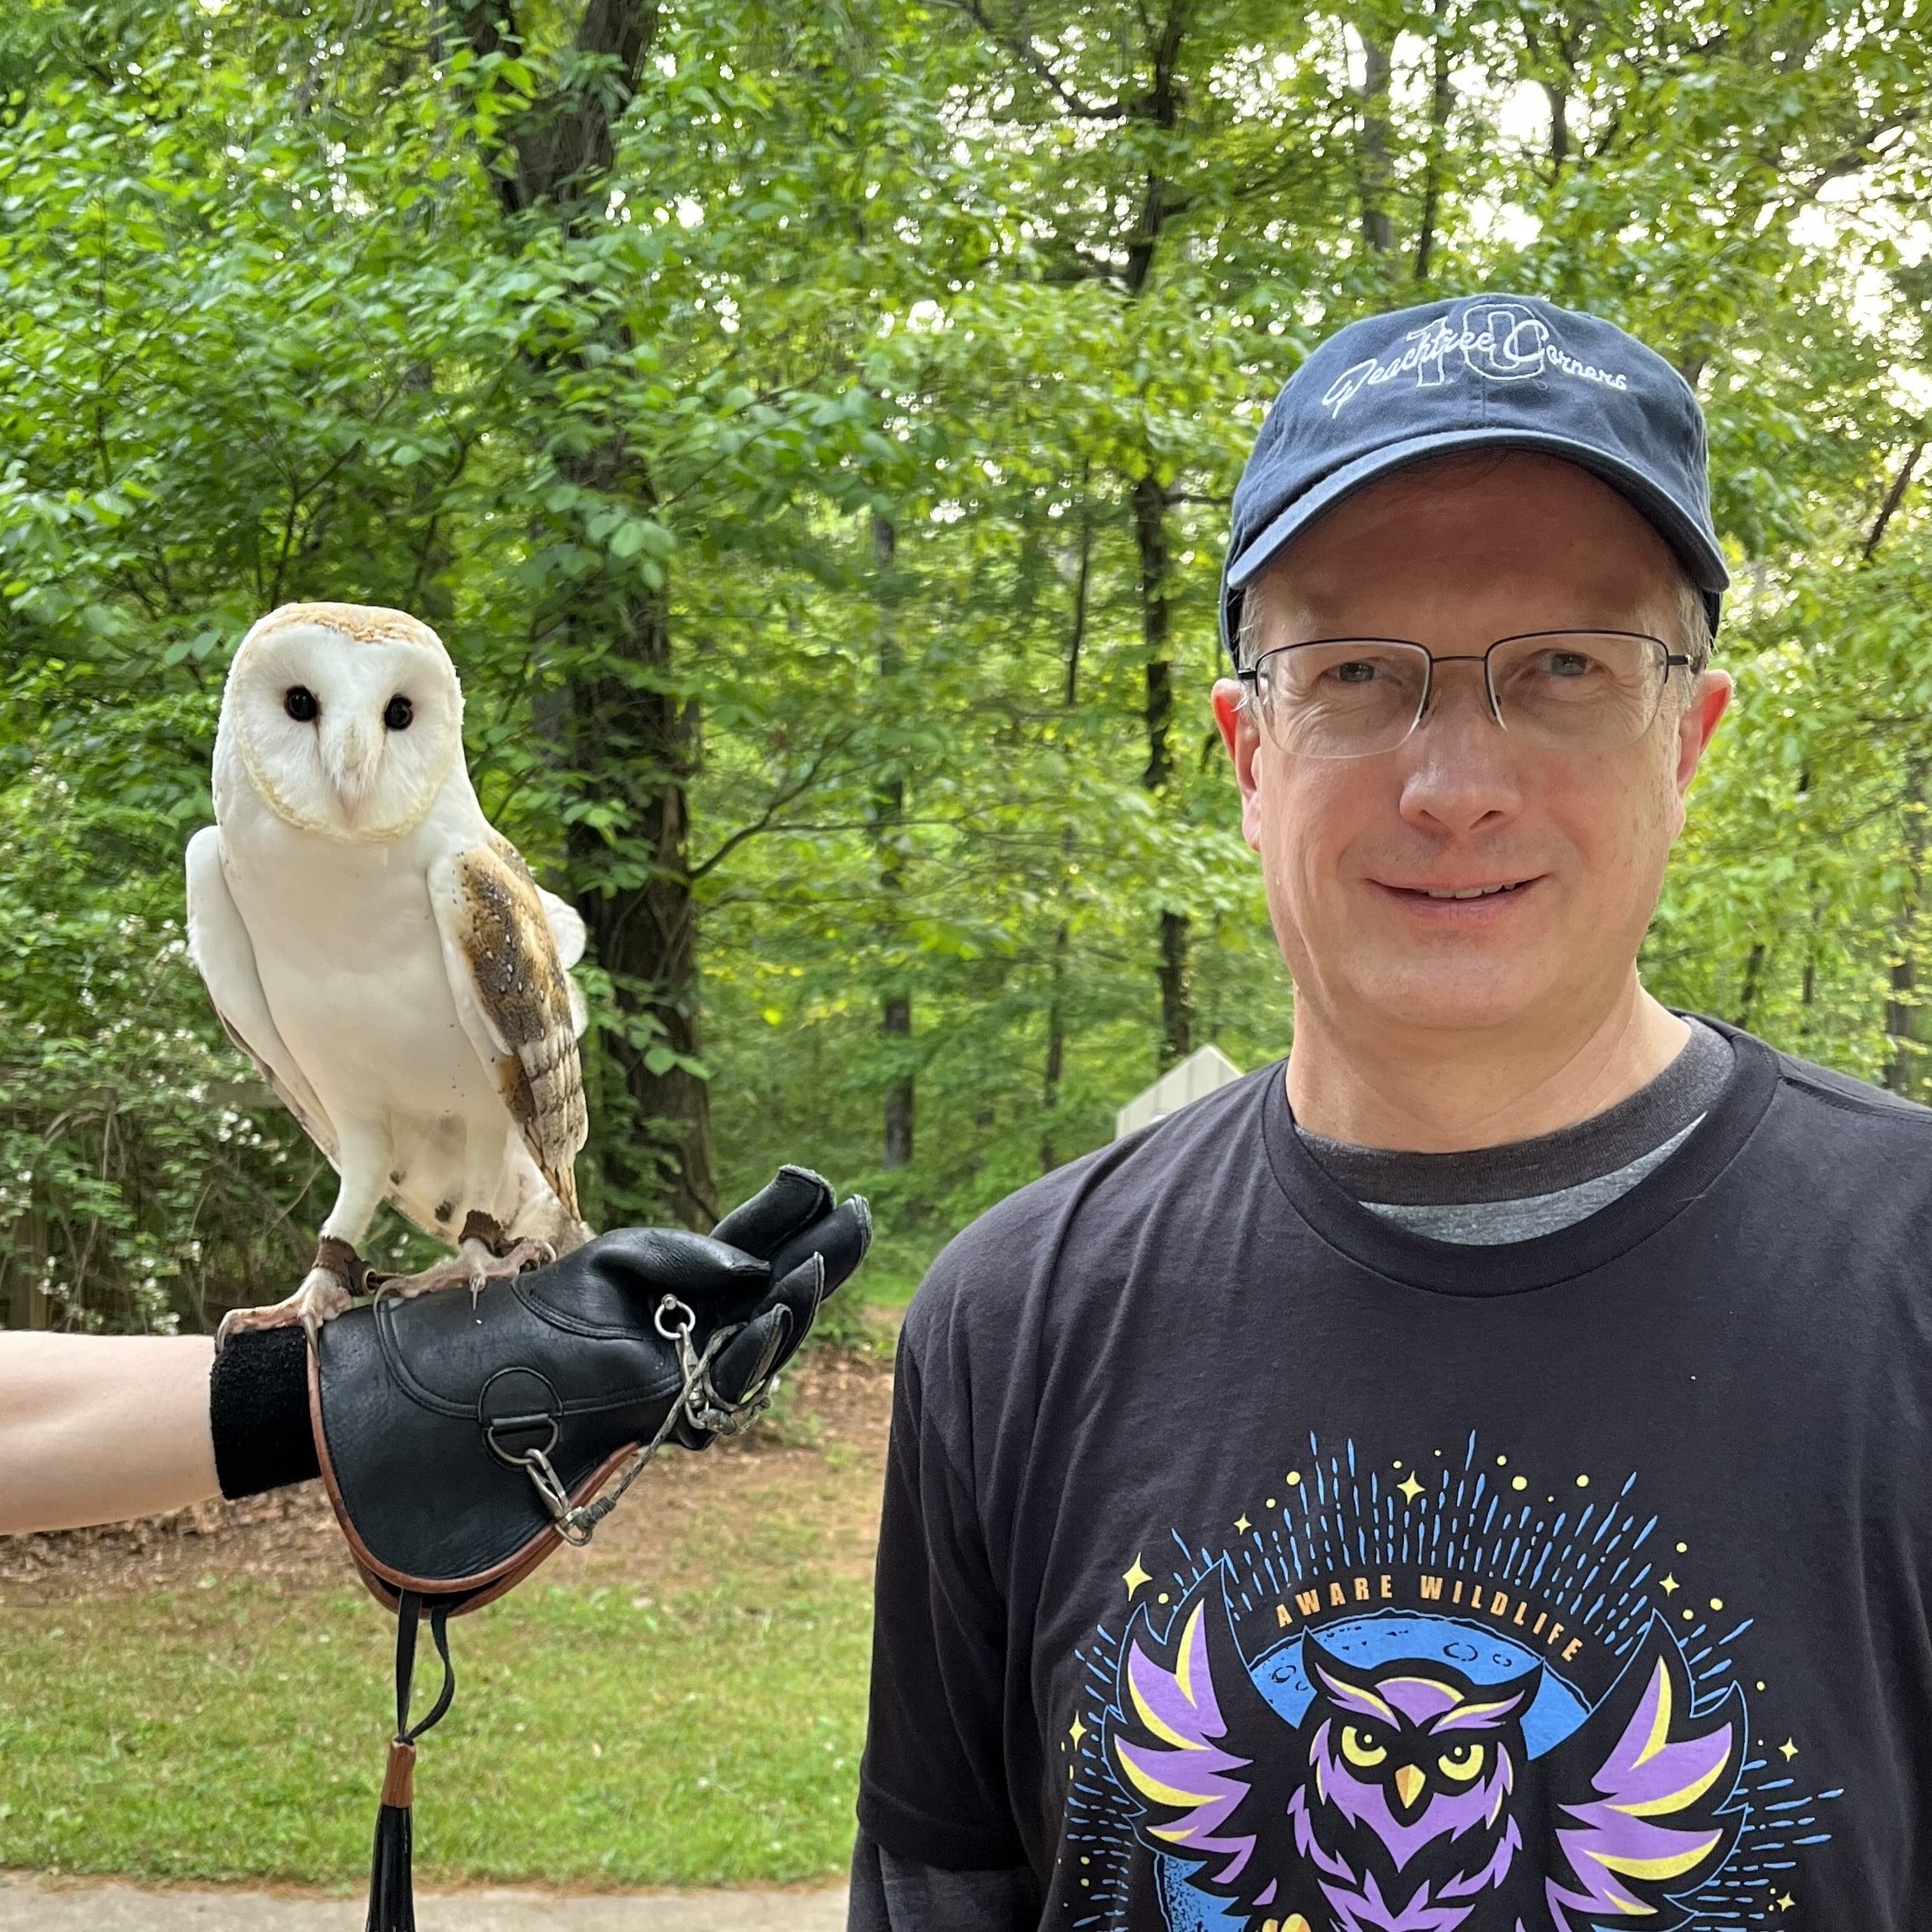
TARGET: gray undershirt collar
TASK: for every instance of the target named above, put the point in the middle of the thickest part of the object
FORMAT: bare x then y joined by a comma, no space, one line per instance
1493,1195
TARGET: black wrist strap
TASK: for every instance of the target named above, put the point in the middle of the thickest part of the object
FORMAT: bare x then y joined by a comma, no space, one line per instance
409,1613
258,1412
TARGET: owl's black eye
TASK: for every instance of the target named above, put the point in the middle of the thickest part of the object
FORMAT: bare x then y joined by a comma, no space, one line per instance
1359,1747
298,701
397,712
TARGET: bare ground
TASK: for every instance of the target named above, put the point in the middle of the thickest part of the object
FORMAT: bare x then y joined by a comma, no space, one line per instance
31,1904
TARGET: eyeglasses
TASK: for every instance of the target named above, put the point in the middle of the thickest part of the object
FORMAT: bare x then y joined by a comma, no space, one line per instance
1571,691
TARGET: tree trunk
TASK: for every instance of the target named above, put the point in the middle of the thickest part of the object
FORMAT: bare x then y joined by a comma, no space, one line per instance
1754,977
1176,972
888,817
1440,99
641,738
1378,174
1901,1075
1898,1012
1062,937
26,1304
632,734
1056,1040
1158,106
897,1024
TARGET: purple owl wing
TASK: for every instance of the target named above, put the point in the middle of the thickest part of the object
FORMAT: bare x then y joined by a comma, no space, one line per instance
1634,1799
1209,1760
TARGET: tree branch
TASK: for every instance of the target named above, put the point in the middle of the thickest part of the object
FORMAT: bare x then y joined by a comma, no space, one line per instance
766,820
1861,153
1023,51
1893,497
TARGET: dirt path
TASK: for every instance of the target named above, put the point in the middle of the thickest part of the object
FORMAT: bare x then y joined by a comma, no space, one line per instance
36,1905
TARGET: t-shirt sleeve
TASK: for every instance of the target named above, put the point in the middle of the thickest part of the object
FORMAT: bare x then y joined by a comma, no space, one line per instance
932,1787
892,1894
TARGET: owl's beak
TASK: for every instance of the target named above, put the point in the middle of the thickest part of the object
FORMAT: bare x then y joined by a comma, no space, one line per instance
1409,1783
352,768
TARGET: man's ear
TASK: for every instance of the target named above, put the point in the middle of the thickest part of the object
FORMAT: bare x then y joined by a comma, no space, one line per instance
1242,734
1709,699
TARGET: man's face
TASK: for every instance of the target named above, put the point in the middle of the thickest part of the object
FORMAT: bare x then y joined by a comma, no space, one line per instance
1454,555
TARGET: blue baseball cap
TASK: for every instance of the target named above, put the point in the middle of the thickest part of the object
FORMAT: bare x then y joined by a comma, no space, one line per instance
1500,371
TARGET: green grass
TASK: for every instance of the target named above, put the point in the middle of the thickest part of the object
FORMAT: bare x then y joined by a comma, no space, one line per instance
598,1737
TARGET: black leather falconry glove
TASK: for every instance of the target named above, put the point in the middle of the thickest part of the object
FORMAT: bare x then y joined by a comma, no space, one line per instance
462,1438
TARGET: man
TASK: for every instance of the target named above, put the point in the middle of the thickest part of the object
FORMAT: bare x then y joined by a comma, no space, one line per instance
1472,1477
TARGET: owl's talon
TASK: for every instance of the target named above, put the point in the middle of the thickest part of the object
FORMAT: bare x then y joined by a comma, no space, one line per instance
323,1296
514,1261
474,1266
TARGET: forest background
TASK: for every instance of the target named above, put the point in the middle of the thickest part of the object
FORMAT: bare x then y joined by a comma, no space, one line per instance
812,430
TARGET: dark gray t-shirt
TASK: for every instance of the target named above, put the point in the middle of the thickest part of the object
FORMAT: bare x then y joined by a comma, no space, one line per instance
1488,1197
1247,1556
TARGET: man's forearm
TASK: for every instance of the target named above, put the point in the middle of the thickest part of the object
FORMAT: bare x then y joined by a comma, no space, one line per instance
95,1428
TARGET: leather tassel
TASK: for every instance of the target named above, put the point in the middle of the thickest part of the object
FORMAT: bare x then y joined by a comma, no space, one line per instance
391,1887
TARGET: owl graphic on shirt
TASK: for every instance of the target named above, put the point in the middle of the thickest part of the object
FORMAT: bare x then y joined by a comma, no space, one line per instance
1404,1799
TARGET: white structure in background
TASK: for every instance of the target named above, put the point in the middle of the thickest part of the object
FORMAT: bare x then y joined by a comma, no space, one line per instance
1197,1076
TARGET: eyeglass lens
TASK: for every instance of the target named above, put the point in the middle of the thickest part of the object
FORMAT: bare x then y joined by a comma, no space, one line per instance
1352,698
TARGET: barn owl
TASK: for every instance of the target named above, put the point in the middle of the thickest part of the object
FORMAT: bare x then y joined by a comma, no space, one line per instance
384,956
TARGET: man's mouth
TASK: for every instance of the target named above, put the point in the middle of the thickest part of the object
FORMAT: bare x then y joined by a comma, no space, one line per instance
1467,891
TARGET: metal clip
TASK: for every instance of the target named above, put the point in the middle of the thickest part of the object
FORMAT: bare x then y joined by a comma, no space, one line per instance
576,1523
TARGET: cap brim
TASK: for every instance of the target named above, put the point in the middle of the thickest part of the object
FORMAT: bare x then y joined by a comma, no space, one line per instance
1700,556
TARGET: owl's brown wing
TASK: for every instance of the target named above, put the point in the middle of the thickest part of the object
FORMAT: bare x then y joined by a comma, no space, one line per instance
518,1003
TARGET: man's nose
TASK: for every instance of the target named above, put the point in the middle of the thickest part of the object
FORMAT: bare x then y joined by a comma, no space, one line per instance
1459,774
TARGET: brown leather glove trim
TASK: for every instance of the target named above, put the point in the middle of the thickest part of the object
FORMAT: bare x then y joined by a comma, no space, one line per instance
399,1780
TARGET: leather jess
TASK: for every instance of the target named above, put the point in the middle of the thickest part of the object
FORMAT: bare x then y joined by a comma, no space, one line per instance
431,1415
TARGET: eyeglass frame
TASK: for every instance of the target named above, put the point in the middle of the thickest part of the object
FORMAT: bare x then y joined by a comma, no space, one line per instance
1250,674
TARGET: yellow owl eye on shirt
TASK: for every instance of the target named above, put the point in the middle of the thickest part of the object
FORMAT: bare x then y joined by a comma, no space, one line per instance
1359,1749
1463,1762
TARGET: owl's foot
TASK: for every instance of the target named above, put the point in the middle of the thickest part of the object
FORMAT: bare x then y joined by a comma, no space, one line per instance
474,1265
324,1295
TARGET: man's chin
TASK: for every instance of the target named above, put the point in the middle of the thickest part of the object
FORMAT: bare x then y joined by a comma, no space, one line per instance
1439,998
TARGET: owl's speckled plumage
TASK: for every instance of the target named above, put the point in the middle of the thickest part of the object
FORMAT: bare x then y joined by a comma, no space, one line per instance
499,933
375,946
361,623
1406,1798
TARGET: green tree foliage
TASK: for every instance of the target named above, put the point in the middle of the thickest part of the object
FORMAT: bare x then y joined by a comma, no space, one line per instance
813,429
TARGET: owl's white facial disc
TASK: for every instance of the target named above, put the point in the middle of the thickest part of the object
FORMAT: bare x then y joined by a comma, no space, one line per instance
346,732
